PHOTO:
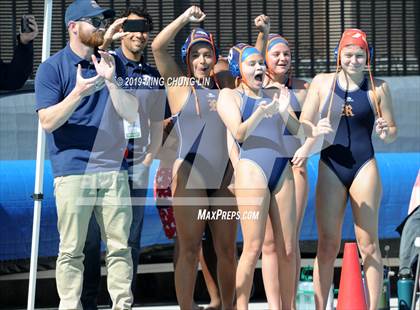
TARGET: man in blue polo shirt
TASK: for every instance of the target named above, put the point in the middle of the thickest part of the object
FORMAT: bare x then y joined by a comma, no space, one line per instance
135,75
82,108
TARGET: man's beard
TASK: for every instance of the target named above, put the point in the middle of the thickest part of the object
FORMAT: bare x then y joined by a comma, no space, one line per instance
93,40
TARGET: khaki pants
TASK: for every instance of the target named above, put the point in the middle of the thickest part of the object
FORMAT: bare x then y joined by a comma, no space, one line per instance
107,195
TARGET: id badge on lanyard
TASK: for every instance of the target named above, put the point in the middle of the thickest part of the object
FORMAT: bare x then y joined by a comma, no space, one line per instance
132,130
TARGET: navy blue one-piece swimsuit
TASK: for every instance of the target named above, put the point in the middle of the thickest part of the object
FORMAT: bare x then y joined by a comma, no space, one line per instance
352,145
264,145
202,138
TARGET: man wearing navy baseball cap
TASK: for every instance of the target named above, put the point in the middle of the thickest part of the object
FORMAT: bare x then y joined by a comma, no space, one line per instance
86,8
82,108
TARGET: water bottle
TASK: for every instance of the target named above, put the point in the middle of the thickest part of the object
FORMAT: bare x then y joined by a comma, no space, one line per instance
383,303
305,298
305,295
405,286
365,288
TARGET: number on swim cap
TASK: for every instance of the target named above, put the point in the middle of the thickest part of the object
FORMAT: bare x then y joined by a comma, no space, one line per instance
230,55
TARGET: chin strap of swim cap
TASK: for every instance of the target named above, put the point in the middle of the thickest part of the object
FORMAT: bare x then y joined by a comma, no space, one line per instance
375,95
337,69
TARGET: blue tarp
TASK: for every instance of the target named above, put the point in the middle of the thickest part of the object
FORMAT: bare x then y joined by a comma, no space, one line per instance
398,173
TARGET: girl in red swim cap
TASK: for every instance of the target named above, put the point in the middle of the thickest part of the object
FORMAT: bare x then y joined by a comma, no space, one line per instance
354,104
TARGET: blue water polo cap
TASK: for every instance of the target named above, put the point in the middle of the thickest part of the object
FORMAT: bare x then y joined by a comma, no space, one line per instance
237,55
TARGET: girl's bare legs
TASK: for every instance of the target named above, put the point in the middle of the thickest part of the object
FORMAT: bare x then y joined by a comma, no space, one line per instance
251,195
270,268
189,231
283,219
331,198
365,194
300,175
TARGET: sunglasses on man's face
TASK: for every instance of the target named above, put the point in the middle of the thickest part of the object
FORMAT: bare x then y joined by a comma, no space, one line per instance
96,22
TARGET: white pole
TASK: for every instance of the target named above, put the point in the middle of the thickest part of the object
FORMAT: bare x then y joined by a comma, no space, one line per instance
39,174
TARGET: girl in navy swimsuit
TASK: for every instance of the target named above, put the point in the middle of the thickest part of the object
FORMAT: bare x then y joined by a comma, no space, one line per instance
278,59
351,101
263,175
201,171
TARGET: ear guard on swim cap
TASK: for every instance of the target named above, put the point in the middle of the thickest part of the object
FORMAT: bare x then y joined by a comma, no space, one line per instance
356,37
198,35
234,59
237,55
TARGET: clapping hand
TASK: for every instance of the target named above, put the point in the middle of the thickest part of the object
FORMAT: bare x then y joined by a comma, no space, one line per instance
86,87
284,99
105,67
271,108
